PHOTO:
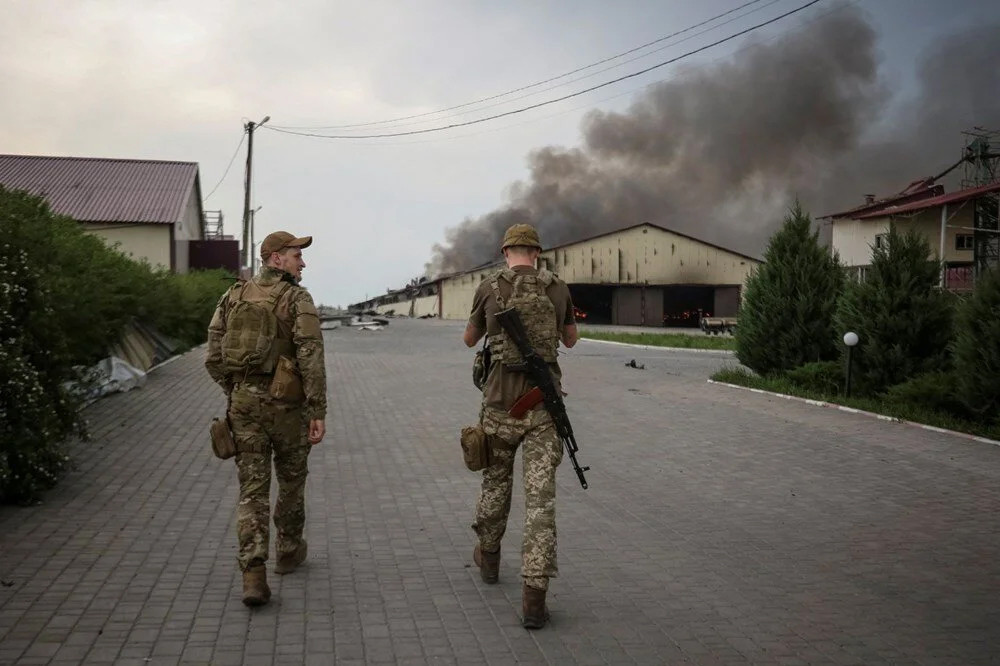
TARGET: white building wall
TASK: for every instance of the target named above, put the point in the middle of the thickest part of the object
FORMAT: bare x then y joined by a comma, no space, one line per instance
149,242
188,229
854,239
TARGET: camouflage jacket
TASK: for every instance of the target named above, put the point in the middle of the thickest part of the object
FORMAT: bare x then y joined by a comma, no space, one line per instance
296,308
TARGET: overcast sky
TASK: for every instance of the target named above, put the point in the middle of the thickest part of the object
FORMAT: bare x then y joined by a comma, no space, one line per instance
176,80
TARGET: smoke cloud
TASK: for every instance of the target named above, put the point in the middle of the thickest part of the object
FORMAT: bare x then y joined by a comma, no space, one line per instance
720,151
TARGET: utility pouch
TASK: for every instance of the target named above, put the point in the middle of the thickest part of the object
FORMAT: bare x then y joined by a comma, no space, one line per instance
476,448
481,366
287,383
223,445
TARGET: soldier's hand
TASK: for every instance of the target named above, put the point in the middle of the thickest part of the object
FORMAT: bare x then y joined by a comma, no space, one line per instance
317,429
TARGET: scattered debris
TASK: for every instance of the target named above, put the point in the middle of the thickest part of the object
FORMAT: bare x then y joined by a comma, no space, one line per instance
637,366
370,327
7,583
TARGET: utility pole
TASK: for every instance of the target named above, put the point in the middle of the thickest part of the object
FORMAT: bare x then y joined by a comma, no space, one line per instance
247,217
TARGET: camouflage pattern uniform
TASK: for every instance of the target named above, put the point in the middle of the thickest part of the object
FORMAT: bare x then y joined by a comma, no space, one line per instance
534,432
264,426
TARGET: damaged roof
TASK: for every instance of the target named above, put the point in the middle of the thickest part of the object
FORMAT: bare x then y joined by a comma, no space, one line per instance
924,204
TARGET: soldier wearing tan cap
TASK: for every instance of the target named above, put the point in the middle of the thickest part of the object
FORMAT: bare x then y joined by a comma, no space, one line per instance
546,309
265,349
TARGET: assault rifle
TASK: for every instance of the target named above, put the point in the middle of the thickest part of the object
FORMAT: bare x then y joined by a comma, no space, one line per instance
538,370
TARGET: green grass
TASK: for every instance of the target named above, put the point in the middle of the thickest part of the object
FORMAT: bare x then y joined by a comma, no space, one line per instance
664,339
908,412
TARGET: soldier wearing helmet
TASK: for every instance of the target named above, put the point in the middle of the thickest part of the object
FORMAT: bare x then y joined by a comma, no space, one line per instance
544,304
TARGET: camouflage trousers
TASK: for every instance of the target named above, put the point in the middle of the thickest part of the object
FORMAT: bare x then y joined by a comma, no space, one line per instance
542,453
262,427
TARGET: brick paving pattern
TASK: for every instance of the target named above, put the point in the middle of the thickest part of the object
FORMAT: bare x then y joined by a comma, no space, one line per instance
720,527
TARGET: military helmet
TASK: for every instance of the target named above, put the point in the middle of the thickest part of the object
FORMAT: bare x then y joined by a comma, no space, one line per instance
522,235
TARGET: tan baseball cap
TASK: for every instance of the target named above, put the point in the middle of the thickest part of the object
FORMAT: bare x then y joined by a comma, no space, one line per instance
279,240
521,234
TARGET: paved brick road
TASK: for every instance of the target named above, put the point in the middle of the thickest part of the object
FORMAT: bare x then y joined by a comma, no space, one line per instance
720,527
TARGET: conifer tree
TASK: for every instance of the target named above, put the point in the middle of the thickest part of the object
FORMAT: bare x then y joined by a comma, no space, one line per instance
903,320
977,347
786,317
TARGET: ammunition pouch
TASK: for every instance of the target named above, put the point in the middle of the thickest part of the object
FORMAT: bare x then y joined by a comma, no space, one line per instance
223,445
286,384
476,448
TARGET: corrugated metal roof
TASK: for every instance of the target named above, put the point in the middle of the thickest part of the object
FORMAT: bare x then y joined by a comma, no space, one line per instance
915,191
953,197
104,190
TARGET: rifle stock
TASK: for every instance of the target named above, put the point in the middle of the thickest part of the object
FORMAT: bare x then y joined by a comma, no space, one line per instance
536,368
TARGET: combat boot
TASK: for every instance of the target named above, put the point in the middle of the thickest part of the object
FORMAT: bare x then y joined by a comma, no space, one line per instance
287,562
255,589
488,563
533,607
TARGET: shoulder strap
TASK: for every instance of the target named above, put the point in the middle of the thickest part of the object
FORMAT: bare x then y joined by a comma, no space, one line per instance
546,277
276,293
495,284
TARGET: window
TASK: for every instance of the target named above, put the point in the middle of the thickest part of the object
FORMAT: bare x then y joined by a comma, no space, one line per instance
881,240
964,242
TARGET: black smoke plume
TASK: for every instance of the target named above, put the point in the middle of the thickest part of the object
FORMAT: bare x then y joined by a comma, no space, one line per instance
720,151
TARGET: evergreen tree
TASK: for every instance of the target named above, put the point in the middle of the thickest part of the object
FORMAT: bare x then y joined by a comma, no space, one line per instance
977,347
786,318
903,320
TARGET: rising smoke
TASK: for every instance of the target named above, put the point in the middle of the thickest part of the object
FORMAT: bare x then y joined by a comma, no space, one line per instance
720,151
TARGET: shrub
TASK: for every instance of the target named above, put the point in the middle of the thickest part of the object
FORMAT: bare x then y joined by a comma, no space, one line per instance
786,318
903,321
36,412
977,348
64,299
935,391
825,377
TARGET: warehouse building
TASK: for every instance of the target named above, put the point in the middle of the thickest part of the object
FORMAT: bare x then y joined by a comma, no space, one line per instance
644,275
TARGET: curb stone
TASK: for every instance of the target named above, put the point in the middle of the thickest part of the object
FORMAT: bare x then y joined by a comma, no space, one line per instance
657,347
852,410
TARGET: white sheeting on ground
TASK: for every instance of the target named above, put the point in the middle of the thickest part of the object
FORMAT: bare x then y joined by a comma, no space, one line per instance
113,375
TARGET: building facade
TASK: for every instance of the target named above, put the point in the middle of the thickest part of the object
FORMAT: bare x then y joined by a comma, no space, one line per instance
645,275
947,221
150,210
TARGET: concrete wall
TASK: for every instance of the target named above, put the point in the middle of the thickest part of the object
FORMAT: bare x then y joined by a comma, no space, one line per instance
457,293
647,255
417,307
854,239
140,241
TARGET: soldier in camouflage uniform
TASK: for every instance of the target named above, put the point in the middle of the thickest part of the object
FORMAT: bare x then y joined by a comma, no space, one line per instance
545,306
264,426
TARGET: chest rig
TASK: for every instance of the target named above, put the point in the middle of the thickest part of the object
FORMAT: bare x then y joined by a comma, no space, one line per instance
537,313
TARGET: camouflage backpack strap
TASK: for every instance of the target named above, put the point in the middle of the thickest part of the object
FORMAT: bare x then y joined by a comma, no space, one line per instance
276,293
495,285
546,277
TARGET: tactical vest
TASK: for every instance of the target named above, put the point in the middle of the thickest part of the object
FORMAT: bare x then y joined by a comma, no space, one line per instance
258,329
537,313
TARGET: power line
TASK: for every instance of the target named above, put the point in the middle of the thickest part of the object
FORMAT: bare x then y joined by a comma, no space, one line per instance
231,160
588,105
579,78
557,99
529,86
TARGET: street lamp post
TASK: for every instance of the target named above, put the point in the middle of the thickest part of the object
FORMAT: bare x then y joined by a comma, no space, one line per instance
851,340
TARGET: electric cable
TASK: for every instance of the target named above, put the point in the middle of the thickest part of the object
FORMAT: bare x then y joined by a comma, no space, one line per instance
531,85
557,99
580,78
231,160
